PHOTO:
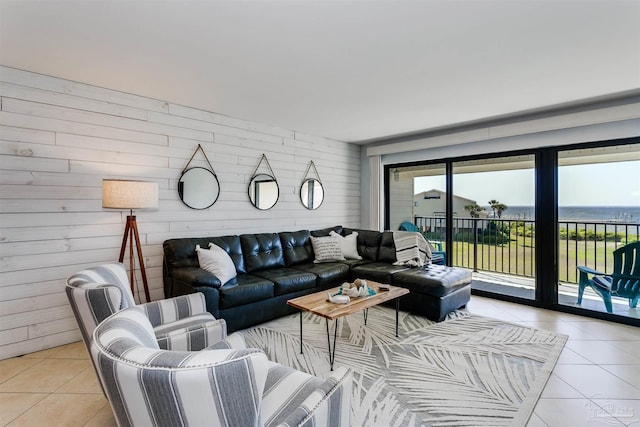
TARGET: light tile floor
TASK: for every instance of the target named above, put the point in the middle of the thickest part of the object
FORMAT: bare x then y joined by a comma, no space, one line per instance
596,381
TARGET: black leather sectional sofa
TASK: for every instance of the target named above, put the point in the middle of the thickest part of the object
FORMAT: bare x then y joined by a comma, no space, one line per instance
275,267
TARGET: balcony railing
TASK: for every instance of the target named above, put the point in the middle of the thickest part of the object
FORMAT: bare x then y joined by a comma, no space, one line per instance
508,245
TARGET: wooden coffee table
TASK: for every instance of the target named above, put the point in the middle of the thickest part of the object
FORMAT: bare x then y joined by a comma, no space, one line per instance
318,304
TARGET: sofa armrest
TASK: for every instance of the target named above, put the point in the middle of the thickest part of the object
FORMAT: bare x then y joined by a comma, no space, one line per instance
196,277
195,337
328,405
173,309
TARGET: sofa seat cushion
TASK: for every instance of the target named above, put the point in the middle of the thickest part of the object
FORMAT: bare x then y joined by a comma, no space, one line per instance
436,280
377,271
247,289
328,273
288,280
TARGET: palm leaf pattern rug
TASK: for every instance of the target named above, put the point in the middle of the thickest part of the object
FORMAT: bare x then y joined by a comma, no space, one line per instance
465,371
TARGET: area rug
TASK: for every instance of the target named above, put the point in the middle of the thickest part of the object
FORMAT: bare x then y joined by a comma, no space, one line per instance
465,371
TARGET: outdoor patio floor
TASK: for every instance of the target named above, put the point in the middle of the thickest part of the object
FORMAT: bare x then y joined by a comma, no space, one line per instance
524,287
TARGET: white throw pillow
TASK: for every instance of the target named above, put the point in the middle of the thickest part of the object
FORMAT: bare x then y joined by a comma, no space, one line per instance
348,244
217,261
326,249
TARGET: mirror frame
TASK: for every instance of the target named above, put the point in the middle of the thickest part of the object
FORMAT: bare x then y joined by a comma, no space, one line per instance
181,191
302,200
274,180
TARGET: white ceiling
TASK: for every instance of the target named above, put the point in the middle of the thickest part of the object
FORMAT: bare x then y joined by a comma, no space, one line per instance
348,70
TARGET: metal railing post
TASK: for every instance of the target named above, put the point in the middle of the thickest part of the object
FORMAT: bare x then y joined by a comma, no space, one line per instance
475,245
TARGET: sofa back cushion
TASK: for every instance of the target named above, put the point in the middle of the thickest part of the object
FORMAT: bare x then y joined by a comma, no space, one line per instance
232,246
261,251
182,252
368,243
387,252
326,231
296,246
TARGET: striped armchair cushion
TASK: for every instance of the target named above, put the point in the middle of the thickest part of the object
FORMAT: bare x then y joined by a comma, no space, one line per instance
149,386
196,334
113,274
175,309
91,303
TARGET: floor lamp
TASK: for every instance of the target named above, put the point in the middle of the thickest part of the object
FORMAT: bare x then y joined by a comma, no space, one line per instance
125,194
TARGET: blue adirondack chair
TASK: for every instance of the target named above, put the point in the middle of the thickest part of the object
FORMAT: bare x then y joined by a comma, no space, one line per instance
437,256
623,282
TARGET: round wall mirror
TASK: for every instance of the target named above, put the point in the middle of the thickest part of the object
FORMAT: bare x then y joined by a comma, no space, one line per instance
263,191
311,193
198,188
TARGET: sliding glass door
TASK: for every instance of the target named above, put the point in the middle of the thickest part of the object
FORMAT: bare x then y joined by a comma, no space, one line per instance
598,212
493,223
525,222
417,195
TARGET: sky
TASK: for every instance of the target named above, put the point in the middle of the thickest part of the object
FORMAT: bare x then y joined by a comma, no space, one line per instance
606,184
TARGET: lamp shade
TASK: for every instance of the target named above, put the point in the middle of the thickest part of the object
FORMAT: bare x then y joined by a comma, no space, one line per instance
125,194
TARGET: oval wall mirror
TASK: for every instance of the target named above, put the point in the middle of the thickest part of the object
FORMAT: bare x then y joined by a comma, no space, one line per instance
198,188
311,193
263,191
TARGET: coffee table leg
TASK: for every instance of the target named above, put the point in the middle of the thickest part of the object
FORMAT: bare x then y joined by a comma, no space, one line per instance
332,352
397,309
366,314
300,332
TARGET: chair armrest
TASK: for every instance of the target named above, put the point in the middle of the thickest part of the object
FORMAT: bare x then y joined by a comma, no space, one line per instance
173,309
329,404
235,341
589,270
195,337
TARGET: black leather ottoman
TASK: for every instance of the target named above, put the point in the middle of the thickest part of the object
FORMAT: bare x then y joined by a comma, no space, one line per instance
435,291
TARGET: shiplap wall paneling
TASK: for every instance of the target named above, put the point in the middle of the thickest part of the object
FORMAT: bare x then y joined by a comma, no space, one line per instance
58,141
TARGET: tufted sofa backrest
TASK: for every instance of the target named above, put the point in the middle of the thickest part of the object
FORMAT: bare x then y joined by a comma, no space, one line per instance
262,251
182,252
231,244
387,251
296,246
368,243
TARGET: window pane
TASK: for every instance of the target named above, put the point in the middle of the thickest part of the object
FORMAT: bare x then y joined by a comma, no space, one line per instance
417,195
598,212
493,224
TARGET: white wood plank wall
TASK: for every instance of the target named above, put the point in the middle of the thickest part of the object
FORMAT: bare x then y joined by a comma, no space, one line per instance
59,139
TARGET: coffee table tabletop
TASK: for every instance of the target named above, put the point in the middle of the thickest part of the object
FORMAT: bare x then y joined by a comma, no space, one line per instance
318,303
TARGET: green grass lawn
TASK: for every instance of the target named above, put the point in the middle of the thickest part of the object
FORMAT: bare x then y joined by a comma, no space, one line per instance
518,257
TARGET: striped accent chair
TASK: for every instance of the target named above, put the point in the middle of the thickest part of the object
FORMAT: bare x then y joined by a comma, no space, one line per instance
149,386
180,323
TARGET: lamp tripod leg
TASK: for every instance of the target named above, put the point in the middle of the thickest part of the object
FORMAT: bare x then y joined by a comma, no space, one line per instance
131,234
141,260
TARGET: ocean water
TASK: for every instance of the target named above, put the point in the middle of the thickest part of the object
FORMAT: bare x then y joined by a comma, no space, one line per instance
624,214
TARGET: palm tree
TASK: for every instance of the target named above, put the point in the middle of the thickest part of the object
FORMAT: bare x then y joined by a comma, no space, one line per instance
497,208
493,203
474,210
